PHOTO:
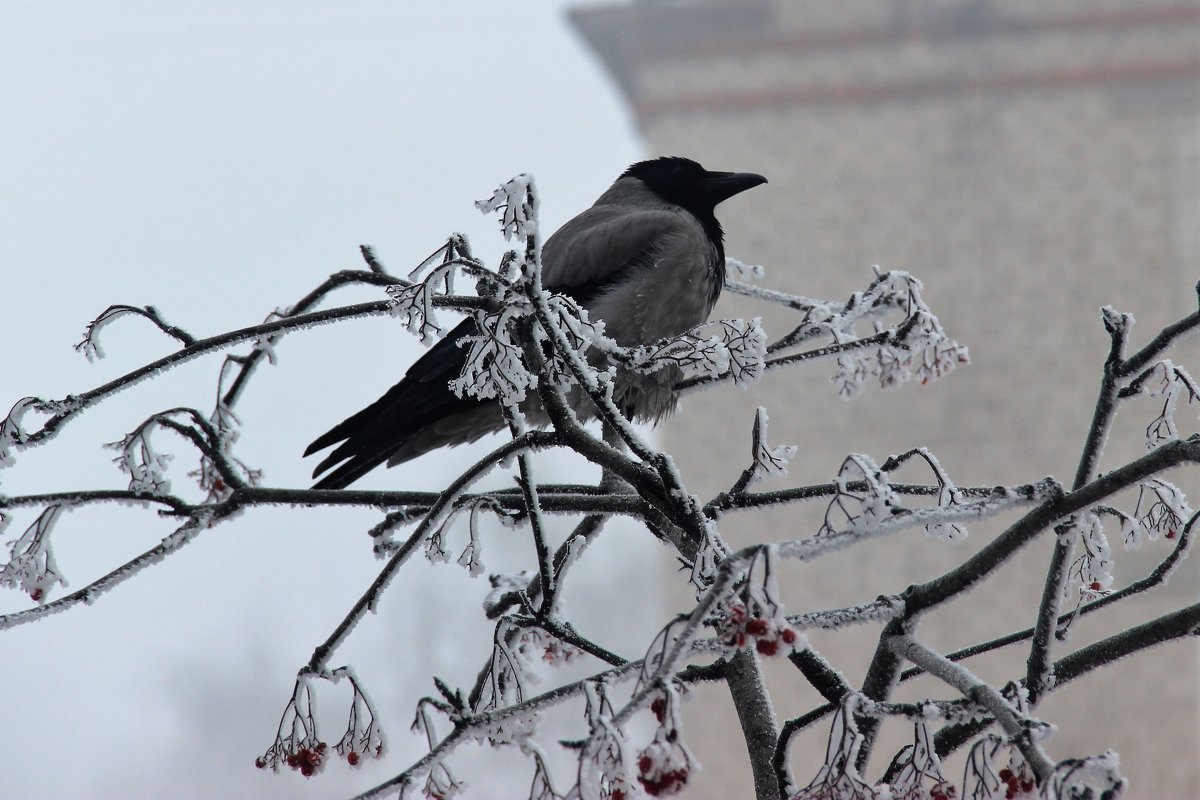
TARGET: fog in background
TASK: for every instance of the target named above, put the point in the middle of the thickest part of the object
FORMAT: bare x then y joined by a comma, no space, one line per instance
218,161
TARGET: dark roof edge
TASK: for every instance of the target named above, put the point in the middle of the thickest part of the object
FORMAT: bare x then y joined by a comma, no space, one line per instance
625,37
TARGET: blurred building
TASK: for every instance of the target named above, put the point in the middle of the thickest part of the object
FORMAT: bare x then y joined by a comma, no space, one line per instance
1031,162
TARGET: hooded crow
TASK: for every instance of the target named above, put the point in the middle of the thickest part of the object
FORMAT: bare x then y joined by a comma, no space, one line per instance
648,258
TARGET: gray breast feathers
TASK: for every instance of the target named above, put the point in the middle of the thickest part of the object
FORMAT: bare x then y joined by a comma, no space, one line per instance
649,273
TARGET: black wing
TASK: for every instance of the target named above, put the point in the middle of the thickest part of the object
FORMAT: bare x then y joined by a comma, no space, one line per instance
371,436
585,257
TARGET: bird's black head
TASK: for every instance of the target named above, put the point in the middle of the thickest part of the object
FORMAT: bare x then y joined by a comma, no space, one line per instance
684,182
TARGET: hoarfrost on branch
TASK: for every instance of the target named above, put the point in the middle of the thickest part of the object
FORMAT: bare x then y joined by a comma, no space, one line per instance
533,349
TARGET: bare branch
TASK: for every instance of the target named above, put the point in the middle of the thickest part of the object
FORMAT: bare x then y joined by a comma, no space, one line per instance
1158,576
1024,730
185,533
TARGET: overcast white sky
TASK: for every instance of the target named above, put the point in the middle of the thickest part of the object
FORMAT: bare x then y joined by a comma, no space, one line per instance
218,160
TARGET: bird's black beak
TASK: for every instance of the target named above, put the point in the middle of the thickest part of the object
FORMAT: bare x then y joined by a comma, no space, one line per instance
720,186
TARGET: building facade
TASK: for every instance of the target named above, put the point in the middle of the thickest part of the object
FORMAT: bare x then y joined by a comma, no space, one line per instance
1030,162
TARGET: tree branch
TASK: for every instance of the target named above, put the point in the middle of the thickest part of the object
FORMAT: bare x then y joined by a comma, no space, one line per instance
757,718
1021,729
1168,627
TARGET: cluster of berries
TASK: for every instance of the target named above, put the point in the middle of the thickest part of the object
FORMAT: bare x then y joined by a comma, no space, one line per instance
534,644
770,637
307,760
660,777
663,767
1020,782
354,757
557,652
943,791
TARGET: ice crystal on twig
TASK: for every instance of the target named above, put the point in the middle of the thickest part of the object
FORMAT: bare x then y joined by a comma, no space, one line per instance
364,736
838,778
505,675
853,507
768,460
514,201
747,344
470,556
743,270
223,433
494,367
11,432
735,347
604,761
147,468
919,765
660,649
580,333
414,303
31,566
440,783
707,560
541,788
1079,778
90,344
918,349
1161,510
1170,382
980,780
1013,781
1092,569
949,495
297,744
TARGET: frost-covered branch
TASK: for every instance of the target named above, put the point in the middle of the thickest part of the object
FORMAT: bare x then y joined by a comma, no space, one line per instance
1158,576
13,436
1176,625
533,508
531,439
884,670
1164,339
248,363
90,345
170,544
1024,730
916,347
480,724
548,365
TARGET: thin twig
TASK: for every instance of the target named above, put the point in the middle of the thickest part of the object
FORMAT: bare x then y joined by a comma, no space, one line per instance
1053,587
1157,576
321,654
1021,729
170,544
69,407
